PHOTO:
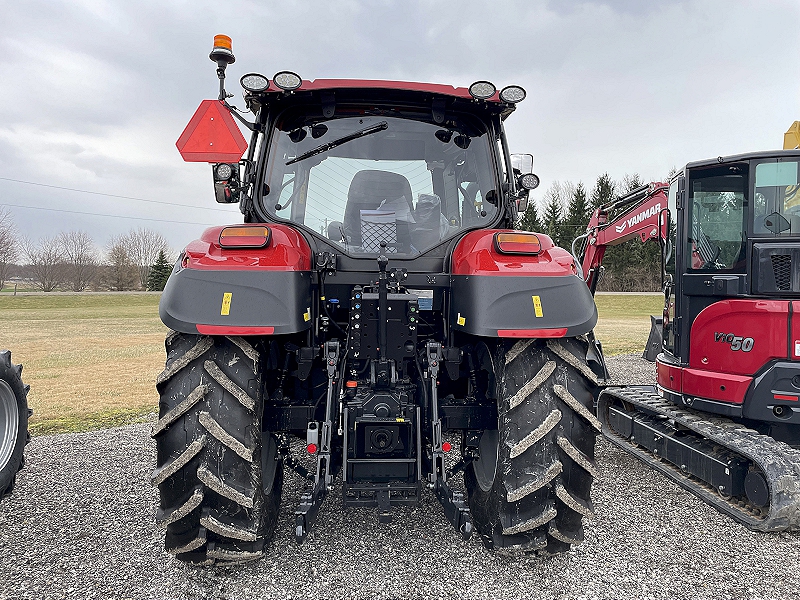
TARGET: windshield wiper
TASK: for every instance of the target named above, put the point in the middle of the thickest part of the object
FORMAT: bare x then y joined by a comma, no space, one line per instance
342,140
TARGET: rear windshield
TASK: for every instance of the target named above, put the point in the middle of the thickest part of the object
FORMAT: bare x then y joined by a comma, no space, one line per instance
367,180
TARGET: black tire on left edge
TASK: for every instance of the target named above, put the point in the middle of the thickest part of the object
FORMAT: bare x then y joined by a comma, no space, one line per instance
13,422
531,487
219,477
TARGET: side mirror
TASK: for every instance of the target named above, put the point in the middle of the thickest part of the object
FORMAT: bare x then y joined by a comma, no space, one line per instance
522,168
226,183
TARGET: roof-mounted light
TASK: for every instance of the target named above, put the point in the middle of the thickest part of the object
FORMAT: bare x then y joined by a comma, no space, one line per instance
222,53
482,90
254,83
287,81
244,237
512,94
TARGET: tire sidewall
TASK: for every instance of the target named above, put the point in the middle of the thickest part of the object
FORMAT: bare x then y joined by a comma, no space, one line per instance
9,471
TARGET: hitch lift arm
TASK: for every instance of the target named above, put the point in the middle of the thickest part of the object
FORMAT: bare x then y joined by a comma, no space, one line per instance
311,500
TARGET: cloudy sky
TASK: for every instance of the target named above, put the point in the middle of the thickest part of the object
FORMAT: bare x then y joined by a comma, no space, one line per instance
95,93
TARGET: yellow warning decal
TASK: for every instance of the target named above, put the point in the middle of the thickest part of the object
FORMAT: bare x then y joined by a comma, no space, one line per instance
307,315
537,306
461,320
400,420
226,304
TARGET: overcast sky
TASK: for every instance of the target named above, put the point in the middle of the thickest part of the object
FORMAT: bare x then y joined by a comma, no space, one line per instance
95,94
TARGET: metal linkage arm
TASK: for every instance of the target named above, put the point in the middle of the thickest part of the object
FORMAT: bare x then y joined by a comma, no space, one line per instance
455,508
311,500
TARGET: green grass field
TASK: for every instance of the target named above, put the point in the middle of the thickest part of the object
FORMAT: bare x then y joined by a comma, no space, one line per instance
92,360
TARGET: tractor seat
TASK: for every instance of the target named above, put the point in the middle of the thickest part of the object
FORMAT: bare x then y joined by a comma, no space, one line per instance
368,190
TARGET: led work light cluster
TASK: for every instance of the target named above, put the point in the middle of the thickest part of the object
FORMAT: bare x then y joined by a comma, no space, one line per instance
284,80
483,90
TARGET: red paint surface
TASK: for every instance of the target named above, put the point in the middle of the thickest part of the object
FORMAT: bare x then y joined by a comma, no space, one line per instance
226,330
211,135
795,341
766,321
669,377
723,387
411,86
532,333
475,254
287,251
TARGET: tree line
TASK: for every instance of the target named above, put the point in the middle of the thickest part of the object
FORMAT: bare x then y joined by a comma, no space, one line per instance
563,214
138,260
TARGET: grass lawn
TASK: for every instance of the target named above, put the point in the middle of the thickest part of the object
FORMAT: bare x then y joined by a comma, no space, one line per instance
625,321
92,360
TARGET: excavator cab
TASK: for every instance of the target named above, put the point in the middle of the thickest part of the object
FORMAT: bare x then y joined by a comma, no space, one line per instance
736,270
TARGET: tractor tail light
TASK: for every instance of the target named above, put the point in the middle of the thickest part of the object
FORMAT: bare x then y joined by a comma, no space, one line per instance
517,243
244,237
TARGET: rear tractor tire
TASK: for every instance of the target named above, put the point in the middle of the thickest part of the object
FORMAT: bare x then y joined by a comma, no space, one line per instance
219,476
14,415
530,488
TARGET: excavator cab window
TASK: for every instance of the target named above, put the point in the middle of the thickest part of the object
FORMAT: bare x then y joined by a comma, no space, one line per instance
716,227
776,199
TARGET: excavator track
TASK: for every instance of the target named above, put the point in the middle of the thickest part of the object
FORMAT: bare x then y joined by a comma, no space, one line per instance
748,476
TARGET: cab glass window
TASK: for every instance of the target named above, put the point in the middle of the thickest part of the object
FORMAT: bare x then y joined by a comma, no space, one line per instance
360,181
776,199
716,228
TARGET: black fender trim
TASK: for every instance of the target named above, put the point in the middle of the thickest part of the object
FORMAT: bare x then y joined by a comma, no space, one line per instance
268,299
486,304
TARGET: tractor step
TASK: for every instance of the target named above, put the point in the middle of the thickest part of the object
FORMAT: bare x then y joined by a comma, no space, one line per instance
748,476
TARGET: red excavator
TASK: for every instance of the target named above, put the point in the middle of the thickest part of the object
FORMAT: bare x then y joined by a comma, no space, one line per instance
723,420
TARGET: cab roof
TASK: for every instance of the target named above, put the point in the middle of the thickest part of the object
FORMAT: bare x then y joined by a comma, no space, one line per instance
410,86
721,160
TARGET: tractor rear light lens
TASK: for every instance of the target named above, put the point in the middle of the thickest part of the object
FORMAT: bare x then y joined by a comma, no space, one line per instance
287,81
254,82
311,448
512,94
446,447
482,90
244,237
517,243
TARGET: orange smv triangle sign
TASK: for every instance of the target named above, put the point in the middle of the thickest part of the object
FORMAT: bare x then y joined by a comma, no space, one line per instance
211,136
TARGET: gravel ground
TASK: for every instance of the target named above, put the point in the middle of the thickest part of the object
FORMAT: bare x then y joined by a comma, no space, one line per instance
80,525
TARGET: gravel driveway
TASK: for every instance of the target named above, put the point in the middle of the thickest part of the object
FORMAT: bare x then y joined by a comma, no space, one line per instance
80,525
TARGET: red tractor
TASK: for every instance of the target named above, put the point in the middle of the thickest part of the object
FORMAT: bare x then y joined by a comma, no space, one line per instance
374,313
724,419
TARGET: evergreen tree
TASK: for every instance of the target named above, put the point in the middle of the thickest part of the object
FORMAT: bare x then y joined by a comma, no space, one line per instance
552,219
604,191
577,215
530,218
159,273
